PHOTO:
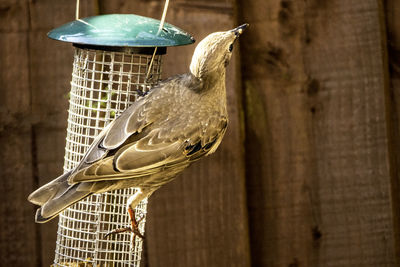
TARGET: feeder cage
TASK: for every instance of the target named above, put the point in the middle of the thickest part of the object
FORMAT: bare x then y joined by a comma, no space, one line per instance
113,66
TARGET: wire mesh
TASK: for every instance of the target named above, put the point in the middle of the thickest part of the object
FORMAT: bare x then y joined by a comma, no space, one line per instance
103,85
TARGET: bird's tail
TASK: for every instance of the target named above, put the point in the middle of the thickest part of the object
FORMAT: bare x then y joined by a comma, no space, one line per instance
54,197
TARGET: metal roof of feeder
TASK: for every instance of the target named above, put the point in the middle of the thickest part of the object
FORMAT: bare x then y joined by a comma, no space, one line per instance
120,30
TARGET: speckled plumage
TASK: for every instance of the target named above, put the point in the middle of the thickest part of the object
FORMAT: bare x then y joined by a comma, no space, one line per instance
179,121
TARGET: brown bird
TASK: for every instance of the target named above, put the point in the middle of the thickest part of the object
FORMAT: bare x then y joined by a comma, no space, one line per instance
179,121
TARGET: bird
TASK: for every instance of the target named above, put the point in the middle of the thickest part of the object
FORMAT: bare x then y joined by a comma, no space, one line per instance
177,122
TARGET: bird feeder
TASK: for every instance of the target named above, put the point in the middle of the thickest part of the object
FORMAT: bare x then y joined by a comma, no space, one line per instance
117,59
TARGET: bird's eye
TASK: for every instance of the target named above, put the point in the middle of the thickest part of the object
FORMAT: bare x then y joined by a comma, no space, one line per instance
231,48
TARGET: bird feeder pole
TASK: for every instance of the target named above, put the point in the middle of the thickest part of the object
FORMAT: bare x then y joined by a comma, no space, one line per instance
115,62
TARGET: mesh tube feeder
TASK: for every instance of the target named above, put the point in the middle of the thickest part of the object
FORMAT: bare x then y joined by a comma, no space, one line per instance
112,67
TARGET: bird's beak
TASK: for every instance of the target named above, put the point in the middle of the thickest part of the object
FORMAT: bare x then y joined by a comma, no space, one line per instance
239,30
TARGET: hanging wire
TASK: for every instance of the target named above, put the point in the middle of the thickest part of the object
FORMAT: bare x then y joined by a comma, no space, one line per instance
158,32
77,10
163,16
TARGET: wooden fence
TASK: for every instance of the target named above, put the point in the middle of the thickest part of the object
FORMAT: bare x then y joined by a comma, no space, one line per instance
308,173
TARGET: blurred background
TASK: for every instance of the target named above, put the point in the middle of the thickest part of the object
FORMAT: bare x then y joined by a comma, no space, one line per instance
308,172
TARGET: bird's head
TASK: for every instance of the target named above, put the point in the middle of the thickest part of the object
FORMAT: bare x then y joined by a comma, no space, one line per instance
214,52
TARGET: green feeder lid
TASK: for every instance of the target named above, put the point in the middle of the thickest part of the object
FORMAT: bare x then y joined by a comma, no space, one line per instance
120,30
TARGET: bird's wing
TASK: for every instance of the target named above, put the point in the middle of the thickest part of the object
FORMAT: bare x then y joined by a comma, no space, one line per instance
151,135
153,151
160,149
132,121
137,117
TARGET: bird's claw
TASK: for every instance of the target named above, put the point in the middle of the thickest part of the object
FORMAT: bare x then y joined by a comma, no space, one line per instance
134,229
118,231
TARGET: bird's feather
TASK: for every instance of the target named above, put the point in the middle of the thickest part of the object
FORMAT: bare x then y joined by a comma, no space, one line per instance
139,143
50,190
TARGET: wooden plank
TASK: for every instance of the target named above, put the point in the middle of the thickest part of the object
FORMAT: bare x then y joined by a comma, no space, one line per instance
50,70
392,11
316,143
199,219
18,246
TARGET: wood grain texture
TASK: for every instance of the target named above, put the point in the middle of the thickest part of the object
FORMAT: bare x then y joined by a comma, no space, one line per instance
18,235
316,142
199,219
392,18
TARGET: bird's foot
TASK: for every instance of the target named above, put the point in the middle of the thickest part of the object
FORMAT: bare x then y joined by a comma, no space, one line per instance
136,232
134,229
